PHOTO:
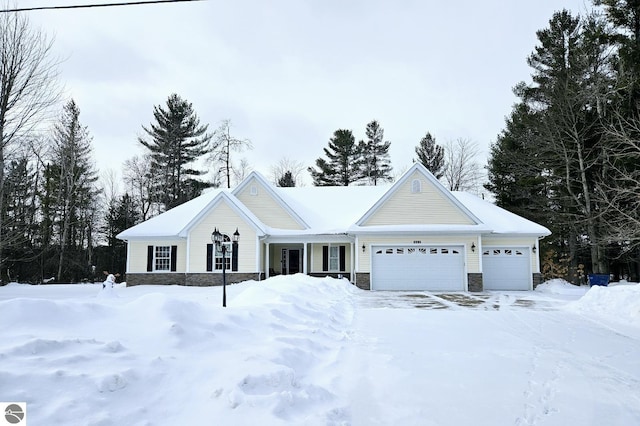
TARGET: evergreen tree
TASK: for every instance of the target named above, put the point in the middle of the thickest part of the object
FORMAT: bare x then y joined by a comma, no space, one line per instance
19,219
176,140
343,164
122,214
287,181
73,185
375,161
431,155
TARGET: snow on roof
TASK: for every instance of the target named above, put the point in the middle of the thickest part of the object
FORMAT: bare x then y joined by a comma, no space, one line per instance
331,209
499,220
171,222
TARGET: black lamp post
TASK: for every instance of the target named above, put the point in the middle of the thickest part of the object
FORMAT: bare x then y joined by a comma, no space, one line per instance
217,239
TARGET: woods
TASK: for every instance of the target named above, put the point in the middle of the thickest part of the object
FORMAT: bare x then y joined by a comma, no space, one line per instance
568,156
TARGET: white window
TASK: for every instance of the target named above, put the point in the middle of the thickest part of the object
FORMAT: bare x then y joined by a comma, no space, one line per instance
226,242
163,258
253,190
334,258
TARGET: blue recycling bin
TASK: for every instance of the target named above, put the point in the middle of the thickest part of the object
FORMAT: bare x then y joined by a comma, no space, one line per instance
598,279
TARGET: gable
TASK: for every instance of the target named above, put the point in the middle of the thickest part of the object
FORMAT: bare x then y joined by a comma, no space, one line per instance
417,200
262,202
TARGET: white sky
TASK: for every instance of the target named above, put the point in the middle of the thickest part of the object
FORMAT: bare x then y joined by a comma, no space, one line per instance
289,73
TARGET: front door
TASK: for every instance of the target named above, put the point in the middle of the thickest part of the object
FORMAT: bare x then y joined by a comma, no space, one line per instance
290,261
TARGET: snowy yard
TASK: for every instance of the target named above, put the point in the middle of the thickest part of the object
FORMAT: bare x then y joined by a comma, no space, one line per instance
299,350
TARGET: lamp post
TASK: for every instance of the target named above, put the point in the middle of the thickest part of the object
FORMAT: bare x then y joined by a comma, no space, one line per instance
217,239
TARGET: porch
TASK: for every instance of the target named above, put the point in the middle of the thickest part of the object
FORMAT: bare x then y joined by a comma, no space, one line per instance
334,258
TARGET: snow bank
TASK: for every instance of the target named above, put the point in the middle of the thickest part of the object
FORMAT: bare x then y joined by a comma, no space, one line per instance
560,286
619,303
161,355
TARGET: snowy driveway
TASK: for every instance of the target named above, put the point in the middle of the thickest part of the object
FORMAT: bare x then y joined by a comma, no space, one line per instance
491,359
297,350
455,301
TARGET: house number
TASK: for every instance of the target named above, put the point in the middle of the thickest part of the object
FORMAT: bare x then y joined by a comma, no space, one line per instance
417,242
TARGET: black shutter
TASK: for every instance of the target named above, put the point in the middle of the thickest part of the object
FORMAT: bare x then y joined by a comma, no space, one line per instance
174,256
234,257
149,258
209,257
325,258
342,258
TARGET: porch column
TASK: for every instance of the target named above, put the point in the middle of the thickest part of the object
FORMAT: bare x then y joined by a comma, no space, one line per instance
266,261
304,259
353,263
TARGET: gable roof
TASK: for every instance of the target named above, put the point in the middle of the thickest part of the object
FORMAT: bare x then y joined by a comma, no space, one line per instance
499,220
417,167
176,222
271,190
335,210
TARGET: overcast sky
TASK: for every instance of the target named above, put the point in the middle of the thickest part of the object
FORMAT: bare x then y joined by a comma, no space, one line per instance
289,73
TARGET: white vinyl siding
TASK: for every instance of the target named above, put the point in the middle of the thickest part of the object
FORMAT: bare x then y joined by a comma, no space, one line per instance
265,207
428,206
138,251
227,220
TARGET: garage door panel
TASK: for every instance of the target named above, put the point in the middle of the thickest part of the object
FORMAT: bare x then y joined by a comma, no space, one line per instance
506,268
418,268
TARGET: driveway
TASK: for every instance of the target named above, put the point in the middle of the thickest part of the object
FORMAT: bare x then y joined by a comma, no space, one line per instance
460,300
495,358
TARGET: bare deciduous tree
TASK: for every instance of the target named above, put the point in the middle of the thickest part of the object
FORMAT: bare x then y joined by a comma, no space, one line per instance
140,183
285,165
28,87
224,143
461,171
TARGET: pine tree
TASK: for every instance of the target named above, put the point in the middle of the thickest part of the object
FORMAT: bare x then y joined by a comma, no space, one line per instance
287,181
176,140
431,155
375,161
74,189
122,214
343,164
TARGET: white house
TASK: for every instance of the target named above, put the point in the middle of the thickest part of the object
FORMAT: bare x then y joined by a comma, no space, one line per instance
412,235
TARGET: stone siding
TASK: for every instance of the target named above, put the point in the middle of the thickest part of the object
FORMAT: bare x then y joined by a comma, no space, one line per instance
363,280
155,279
475,281
201,280
204,280
537,279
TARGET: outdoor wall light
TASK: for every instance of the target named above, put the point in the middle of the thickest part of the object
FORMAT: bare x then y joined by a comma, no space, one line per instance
533,248
473,247
363,248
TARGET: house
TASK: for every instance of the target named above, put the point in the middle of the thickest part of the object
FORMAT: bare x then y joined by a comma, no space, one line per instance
412,235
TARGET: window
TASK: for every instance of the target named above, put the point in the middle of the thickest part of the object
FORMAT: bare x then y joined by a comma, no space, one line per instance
253,190
416,186
334,258
226,242
162,258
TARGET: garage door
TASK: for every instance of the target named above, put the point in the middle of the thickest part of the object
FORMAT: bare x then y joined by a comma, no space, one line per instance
506,268
437,268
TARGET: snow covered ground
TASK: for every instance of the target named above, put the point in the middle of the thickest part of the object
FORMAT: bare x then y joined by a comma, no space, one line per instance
306,351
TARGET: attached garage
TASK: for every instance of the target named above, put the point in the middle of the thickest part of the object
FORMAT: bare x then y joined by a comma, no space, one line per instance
506,268
432,268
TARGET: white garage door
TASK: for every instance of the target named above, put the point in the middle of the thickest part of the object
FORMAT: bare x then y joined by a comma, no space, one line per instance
506,268
417,268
